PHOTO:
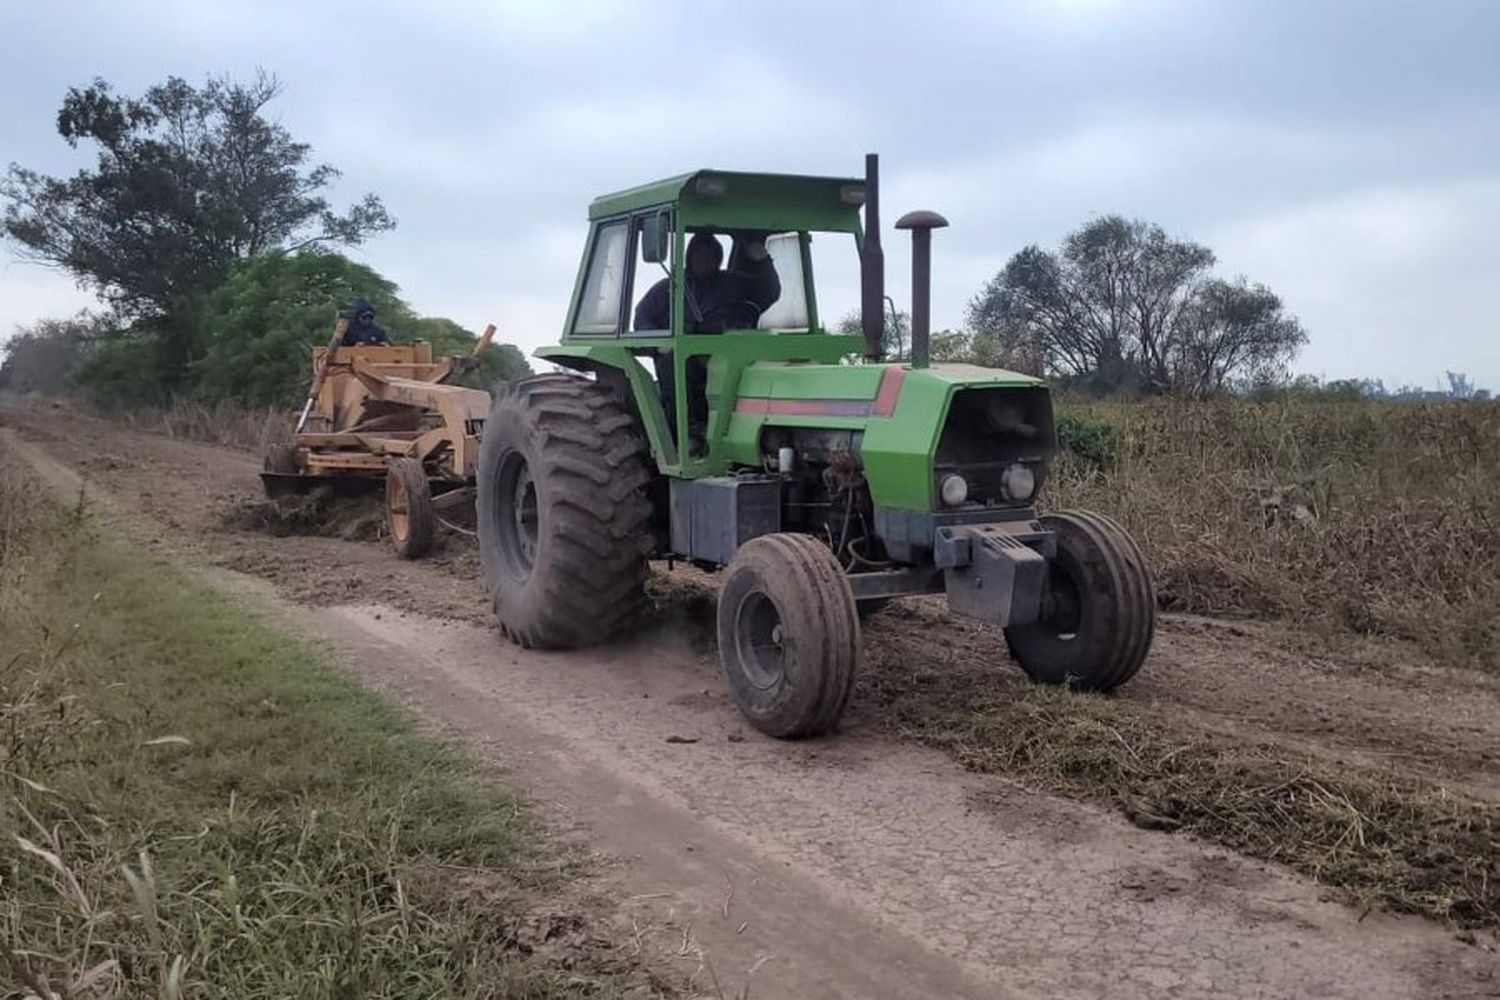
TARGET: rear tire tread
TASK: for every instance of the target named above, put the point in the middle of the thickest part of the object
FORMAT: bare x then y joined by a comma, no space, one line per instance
590,466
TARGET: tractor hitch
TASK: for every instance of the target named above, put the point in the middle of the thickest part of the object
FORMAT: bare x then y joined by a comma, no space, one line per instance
995,572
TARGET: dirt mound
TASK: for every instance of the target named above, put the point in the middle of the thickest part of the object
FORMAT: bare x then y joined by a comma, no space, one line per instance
319,513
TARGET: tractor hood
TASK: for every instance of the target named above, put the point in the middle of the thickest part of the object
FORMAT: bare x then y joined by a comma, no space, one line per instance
903,413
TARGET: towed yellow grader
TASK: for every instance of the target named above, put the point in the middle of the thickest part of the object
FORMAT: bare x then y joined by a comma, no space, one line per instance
387,415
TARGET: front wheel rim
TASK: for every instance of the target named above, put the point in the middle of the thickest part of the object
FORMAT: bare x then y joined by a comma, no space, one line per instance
1063,615
760,641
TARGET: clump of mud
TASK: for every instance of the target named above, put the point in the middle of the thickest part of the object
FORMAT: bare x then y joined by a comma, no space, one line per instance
682,601
320,513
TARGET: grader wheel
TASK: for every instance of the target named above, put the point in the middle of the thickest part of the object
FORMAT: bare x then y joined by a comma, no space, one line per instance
408,508
1099,611
788,635
563,518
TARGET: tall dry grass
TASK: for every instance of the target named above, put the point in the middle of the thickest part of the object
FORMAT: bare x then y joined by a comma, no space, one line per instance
230,425
1373,518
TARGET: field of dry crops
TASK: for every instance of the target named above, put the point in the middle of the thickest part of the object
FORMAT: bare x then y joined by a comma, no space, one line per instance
1368,519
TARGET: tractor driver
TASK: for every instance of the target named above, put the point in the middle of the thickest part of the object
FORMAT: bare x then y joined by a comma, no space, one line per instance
362,329
717,300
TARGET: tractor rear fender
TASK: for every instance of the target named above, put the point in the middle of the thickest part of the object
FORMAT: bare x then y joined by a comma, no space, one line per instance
612,362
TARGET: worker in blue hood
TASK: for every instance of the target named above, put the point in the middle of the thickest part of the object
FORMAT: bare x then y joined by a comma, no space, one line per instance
362,328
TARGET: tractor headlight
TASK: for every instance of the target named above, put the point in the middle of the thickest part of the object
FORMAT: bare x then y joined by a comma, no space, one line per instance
954,490
1017,482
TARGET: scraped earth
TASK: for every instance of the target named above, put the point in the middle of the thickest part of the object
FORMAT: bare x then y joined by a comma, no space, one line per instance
860,865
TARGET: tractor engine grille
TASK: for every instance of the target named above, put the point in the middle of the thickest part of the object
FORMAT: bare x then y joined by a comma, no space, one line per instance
987,431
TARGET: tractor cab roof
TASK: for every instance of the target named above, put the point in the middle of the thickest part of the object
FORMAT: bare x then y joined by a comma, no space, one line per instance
731,199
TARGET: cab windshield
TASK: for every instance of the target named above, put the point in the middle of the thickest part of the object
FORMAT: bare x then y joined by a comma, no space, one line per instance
739,291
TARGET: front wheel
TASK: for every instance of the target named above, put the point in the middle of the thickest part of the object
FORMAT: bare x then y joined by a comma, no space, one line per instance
788,635
1099,610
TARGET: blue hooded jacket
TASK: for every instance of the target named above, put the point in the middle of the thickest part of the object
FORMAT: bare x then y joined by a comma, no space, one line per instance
363,330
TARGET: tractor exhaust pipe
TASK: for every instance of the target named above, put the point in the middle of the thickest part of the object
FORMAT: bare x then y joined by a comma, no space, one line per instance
872,265
921,225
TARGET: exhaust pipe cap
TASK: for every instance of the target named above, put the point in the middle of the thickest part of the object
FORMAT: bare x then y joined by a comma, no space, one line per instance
921,219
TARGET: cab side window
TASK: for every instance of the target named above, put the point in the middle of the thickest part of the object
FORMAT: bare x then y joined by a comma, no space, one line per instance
599,307
647,275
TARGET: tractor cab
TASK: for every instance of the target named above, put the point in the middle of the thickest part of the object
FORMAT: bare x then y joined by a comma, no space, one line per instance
782,234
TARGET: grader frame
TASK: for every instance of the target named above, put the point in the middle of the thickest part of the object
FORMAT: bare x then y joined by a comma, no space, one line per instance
386,415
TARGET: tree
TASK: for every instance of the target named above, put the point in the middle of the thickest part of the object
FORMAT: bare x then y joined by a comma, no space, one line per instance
45,356
188,180
962,347
1460,386
894,336
497,363
1230,330
260,325
1124,306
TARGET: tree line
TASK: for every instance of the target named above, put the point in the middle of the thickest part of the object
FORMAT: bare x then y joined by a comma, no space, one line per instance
204,228
1119,308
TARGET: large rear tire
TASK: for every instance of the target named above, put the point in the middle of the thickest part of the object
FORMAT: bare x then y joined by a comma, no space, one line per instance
409,517
788,635
1100,610
563,517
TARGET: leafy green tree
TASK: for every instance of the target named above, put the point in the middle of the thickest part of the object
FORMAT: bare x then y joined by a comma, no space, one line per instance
895,334
962,347
121,372
497,363
187,181
260,326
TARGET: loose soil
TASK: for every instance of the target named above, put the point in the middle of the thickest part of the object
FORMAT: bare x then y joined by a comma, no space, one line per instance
862,865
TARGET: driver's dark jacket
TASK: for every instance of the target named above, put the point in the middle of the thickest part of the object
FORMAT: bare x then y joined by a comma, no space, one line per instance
719,297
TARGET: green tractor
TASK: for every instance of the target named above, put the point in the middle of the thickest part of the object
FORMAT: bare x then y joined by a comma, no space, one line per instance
736,432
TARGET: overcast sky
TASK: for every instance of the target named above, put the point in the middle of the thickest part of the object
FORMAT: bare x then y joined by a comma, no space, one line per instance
1346,154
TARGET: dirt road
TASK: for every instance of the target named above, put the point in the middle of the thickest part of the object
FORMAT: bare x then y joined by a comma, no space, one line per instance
857,866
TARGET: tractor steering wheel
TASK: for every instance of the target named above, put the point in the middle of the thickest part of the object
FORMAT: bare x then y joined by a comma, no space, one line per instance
741,315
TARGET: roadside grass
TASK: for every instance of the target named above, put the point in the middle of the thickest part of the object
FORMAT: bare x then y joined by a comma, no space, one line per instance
1387,842
192,805
229,424
1358,519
